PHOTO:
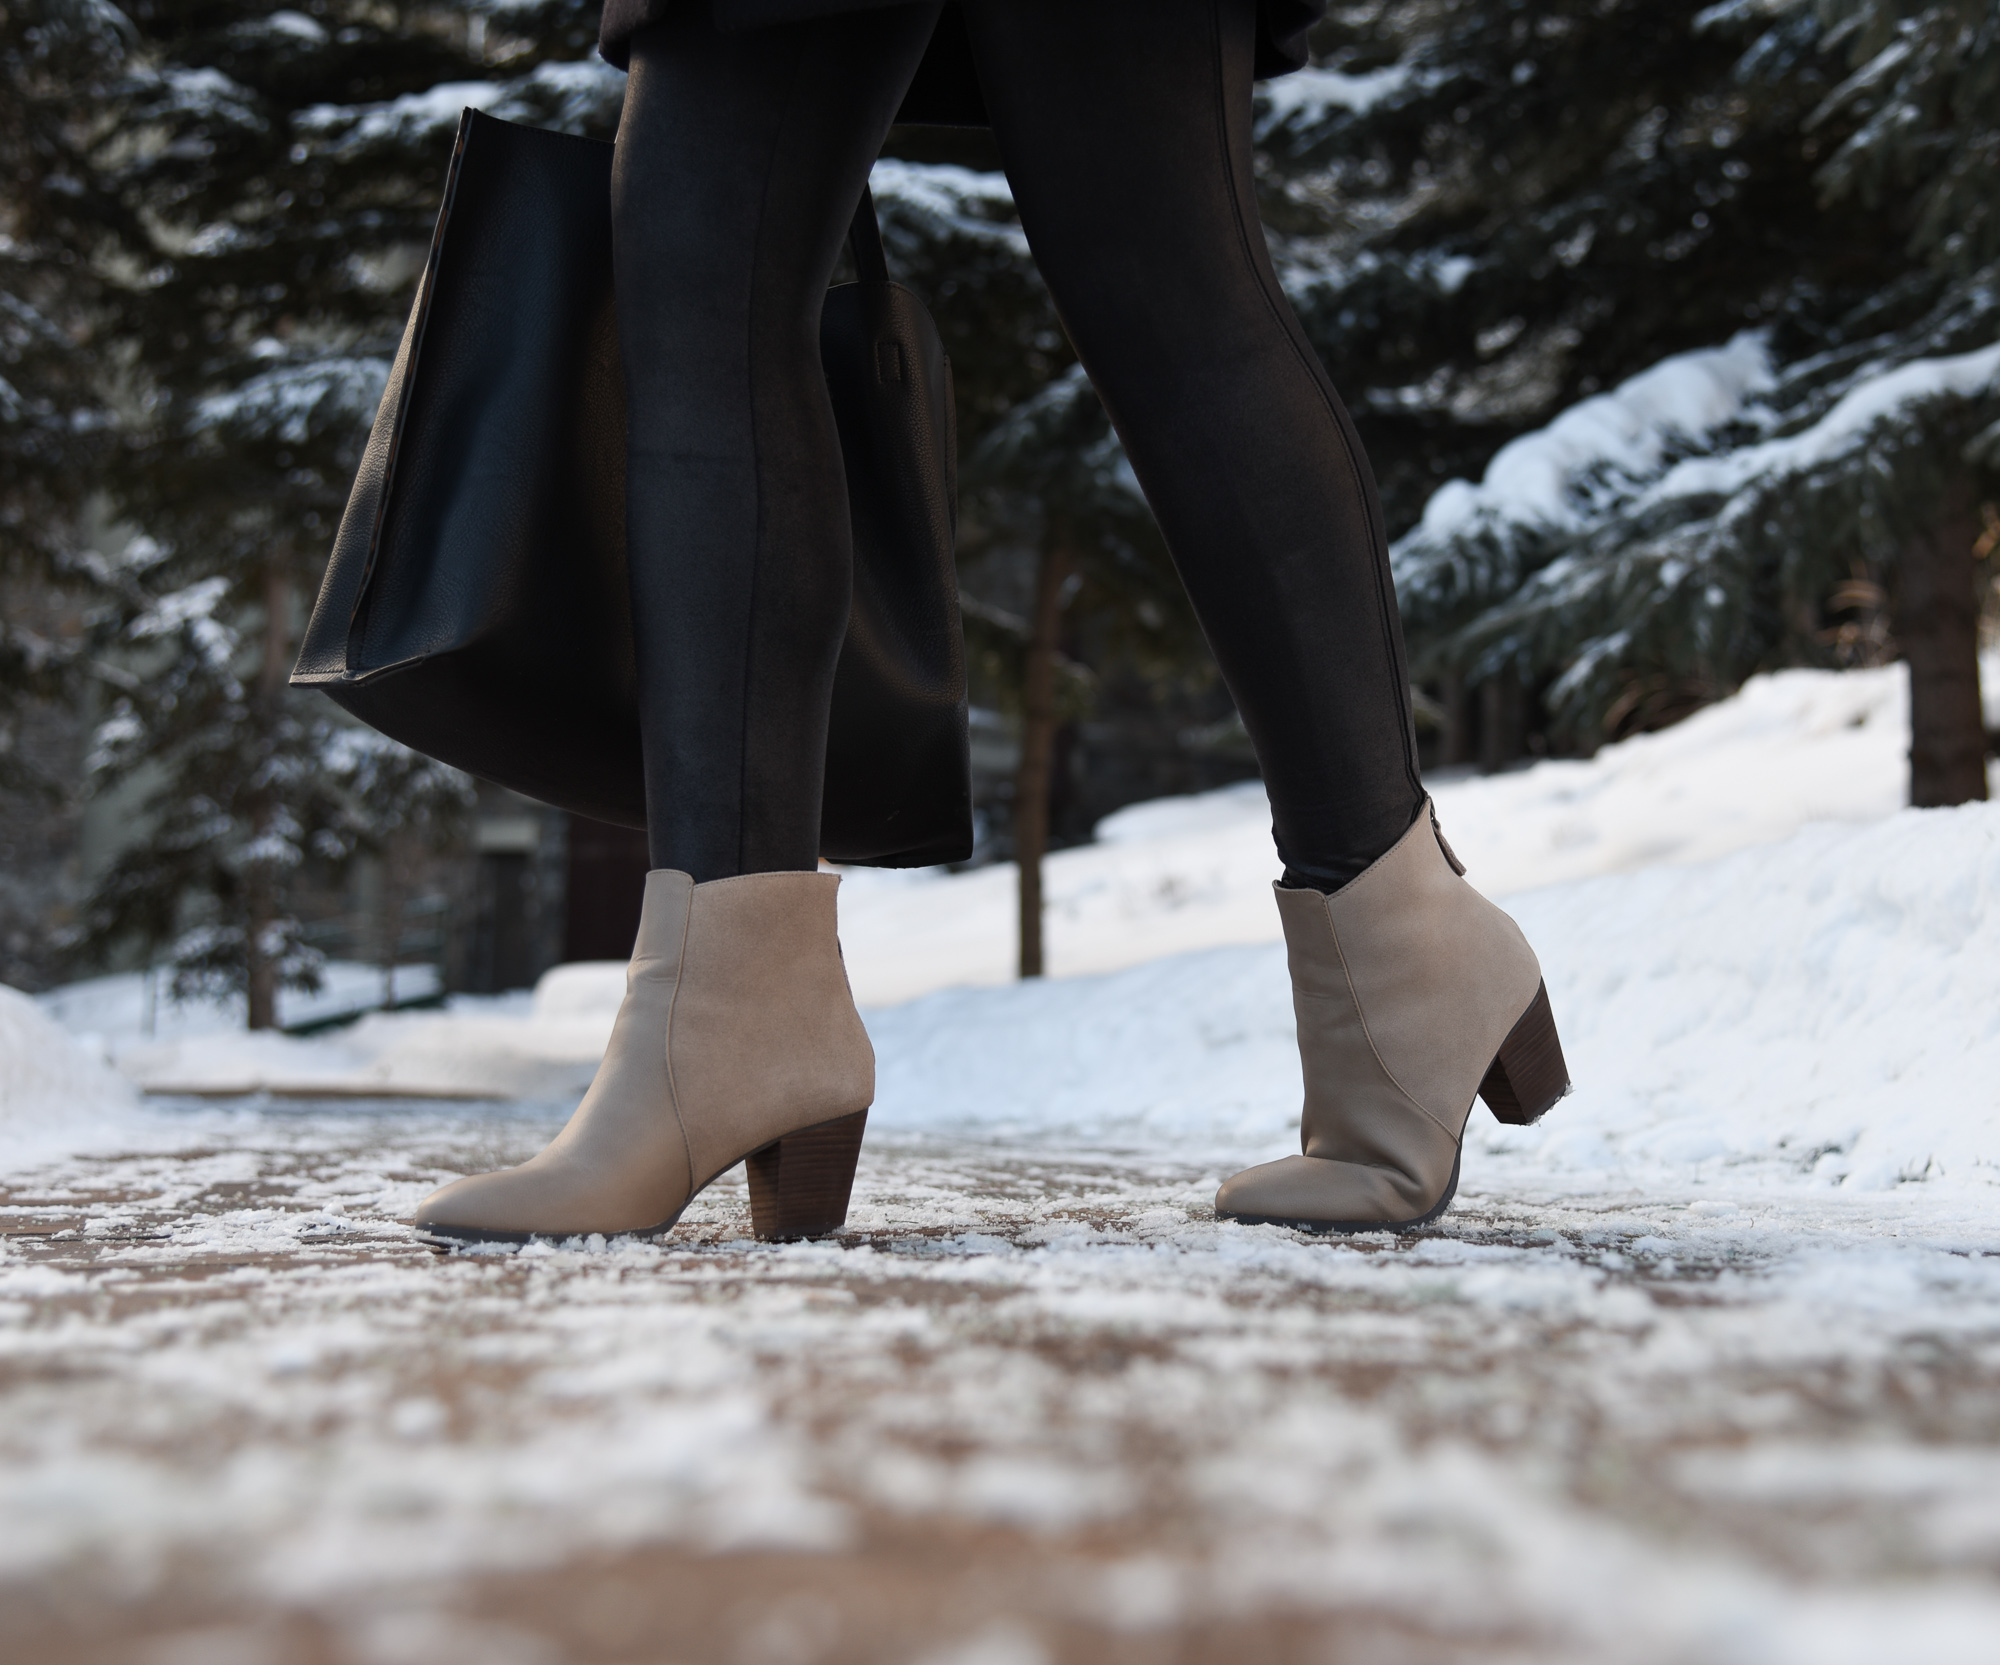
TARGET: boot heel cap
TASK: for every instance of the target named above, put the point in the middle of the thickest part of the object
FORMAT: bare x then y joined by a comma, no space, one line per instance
800,1186
1528,1074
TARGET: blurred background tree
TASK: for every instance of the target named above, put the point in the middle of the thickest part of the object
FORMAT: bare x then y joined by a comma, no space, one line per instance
54,428
1504,221
231,201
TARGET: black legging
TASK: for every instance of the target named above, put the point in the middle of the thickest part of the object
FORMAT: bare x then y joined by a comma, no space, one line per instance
1125,129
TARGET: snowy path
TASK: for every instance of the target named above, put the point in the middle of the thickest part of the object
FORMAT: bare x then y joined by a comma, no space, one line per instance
1035,1406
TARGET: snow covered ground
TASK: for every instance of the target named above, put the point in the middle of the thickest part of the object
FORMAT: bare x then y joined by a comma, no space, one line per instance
1035,1405
134,1006
1705,1368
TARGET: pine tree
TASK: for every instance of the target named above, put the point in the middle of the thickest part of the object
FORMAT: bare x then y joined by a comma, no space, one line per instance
252,195
1486,211
1528,223
56,57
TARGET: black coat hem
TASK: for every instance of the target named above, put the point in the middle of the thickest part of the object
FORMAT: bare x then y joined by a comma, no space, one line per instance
946,91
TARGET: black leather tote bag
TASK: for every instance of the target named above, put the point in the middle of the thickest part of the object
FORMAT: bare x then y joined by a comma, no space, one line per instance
475,605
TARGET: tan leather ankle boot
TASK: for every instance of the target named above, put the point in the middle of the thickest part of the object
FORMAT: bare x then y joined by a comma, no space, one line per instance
737,1038
1413,993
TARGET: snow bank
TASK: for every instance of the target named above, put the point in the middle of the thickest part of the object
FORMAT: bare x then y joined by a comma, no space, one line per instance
519,1046
1824,1011
1821,1012
55,1095
122,1010
1786,750
1186,873
477,1047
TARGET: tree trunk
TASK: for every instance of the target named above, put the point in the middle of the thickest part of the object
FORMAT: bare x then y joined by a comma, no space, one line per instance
392,918
261,896
1501,720
1937,626
1455,744
1038,732
260,970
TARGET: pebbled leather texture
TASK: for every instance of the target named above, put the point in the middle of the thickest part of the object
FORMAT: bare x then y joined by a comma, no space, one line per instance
475,605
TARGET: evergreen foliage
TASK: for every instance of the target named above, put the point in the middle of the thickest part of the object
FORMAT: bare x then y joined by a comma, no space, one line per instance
952,234
56,56
253,783
1501,211
1488,210
234,203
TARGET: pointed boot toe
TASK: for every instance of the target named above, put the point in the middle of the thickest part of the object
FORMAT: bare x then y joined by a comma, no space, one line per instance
546,1197
1413,995
465,1205
737,1038
1314,1193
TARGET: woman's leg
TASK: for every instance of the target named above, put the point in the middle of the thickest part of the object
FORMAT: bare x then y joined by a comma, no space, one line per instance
740,159
1125,128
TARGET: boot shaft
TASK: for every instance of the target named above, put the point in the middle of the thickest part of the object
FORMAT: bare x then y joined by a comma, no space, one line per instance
1433,973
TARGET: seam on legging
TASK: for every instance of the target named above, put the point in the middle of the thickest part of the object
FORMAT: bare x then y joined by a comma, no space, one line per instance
756,467
1384,605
